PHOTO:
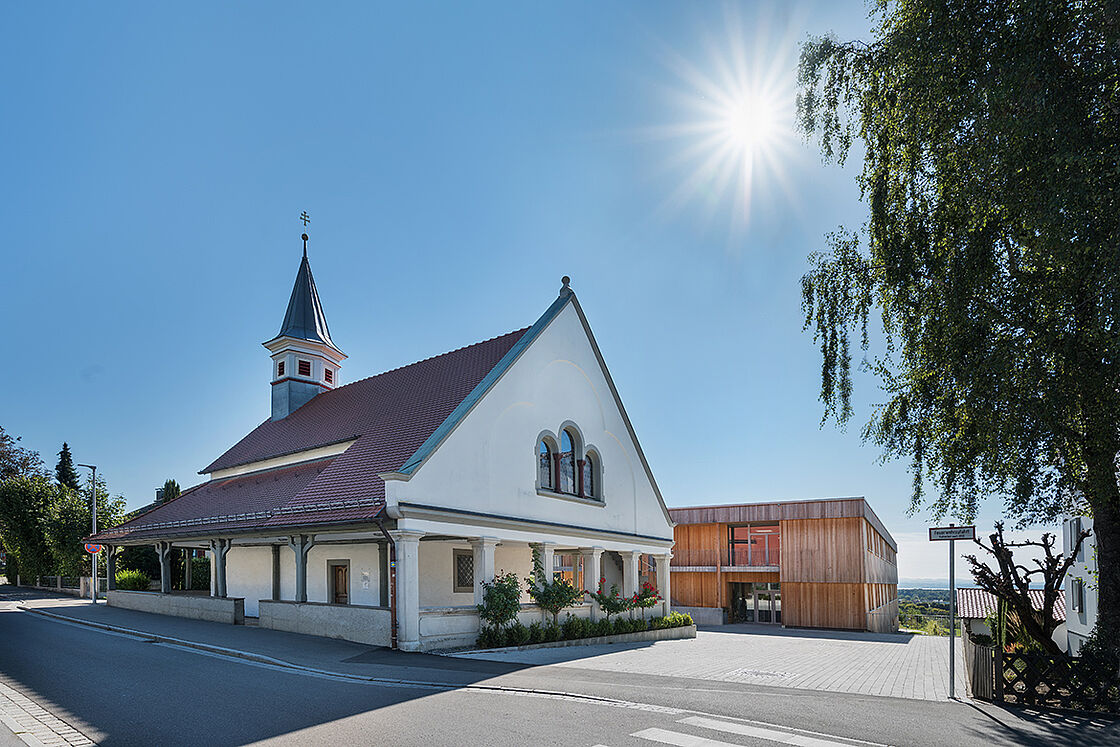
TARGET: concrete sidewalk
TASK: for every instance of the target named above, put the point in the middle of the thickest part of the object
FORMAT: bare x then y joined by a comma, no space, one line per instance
326,655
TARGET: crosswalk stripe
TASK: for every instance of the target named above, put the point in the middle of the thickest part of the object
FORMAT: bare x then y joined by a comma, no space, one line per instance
680,740
800,740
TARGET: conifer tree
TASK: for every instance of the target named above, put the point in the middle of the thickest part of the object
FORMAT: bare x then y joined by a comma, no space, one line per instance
170,491
64,471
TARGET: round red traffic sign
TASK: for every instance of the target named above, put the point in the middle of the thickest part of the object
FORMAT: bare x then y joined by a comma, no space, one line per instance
92,549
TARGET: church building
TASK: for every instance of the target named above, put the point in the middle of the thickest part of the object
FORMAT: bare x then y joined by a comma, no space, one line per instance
375,510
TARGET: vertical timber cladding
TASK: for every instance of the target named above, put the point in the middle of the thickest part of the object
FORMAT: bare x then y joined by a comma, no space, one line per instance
838,569
822,573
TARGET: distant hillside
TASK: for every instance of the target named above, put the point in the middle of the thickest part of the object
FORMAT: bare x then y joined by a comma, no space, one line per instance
923,596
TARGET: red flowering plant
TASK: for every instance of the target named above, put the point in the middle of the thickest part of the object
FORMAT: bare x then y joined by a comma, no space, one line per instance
612,603
646,597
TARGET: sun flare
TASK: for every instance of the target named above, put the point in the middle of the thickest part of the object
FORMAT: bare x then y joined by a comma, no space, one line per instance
735,118
750,124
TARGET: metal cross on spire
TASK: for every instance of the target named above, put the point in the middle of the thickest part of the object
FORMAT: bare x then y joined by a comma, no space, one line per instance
303,216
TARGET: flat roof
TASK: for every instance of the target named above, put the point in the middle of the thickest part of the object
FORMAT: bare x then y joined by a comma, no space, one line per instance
810,508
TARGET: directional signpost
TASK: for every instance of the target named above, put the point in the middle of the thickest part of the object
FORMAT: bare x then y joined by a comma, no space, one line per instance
952,533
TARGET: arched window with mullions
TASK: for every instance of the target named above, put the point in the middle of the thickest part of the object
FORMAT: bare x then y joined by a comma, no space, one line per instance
589,480
545,465
567,468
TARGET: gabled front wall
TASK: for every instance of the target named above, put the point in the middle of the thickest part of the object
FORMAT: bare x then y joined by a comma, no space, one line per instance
488,464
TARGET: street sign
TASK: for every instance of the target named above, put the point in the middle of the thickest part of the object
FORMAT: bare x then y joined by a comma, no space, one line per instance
952,533
92,549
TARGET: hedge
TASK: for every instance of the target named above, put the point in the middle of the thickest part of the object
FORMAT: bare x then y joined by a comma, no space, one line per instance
574,628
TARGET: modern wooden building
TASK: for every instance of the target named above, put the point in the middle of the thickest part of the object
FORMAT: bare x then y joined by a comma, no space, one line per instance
813,564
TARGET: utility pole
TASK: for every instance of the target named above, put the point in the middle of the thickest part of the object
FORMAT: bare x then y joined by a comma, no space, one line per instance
93,557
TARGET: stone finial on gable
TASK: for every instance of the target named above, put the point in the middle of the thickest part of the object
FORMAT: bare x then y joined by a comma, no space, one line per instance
565,289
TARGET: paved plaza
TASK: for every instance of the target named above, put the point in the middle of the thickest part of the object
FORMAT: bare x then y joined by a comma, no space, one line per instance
888,664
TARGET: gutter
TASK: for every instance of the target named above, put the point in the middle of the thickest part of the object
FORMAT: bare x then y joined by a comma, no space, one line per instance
392,547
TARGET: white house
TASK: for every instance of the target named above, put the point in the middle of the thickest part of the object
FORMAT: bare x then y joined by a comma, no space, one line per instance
375,510
1080,584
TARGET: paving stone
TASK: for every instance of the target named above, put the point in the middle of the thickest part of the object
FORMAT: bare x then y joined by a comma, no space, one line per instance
884,664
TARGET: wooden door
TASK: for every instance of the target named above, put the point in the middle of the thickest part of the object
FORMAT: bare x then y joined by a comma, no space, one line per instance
341,584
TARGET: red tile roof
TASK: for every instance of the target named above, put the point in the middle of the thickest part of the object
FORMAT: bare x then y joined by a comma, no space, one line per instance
978,603
390,415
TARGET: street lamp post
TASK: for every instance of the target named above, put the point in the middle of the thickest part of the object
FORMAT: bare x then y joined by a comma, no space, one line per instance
93,557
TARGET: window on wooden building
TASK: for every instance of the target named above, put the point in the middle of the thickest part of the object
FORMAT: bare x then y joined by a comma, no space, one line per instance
755,545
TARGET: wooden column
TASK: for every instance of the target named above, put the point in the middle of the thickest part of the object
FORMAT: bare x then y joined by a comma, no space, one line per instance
219,547
111,569
301,544
163,549
276,572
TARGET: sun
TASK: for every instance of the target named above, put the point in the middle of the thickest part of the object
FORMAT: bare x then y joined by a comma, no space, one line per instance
750,124
734,104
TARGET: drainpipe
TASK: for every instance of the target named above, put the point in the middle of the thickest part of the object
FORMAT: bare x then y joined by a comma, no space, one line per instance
392,547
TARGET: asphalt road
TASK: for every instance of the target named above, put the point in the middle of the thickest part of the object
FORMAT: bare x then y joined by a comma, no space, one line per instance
120,690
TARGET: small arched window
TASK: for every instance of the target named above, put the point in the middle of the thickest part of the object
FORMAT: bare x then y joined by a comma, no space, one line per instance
589,475
567,463
544,464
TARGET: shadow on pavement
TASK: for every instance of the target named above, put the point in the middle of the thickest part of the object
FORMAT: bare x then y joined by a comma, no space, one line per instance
762,629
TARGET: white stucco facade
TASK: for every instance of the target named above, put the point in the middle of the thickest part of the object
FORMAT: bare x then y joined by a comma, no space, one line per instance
1080,584
470,504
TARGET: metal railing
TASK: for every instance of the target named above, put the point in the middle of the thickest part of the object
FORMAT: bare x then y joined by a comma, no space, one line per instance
694,557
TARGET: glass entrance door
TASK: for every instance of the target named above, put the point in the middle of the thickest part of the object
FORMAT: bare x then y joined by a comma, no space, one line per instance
742,603
763,602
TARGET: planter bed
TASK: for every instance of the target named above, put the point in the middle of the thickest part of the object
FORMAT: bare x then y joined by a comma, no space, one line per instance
660,634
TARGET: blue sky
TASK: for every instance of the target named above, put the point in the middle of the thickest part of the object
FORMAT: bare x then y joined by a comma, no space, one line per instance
456,161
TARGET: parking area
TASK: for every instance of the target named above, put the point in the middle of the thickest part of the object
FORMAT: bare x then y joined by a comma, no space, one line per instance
886,664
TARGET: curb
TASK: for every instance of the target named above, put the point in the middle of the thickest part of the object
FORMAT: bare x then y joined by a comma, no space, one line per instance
687,632
261,659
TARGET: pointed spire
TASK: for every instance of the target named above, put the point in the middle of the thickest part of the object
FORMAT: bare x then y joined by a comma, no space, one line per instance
305,319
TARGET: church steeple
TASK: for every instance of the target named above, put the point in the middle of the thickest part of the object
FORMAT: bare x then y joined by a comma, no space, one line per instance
305,361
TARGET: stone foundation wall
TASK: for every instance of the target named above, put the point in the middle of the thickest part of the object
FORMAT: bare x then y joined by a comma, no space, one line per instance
702,615
360,624
195,607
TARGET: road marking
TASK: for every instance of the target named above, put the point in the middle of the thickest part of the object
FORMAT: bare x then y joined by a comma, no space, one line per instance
746,730
664,736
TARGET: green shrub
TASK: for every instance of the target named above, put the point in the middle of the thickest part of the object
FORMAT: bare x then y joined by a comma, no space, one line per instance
517,635
549,593
576,627
133,580
501,600
200,573
552,632
672,620
603,627
536,633
489,637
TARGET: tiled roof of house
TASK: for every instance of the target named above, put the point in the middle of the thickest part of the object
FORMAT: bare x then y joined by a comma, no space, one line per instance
389,417
977,603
